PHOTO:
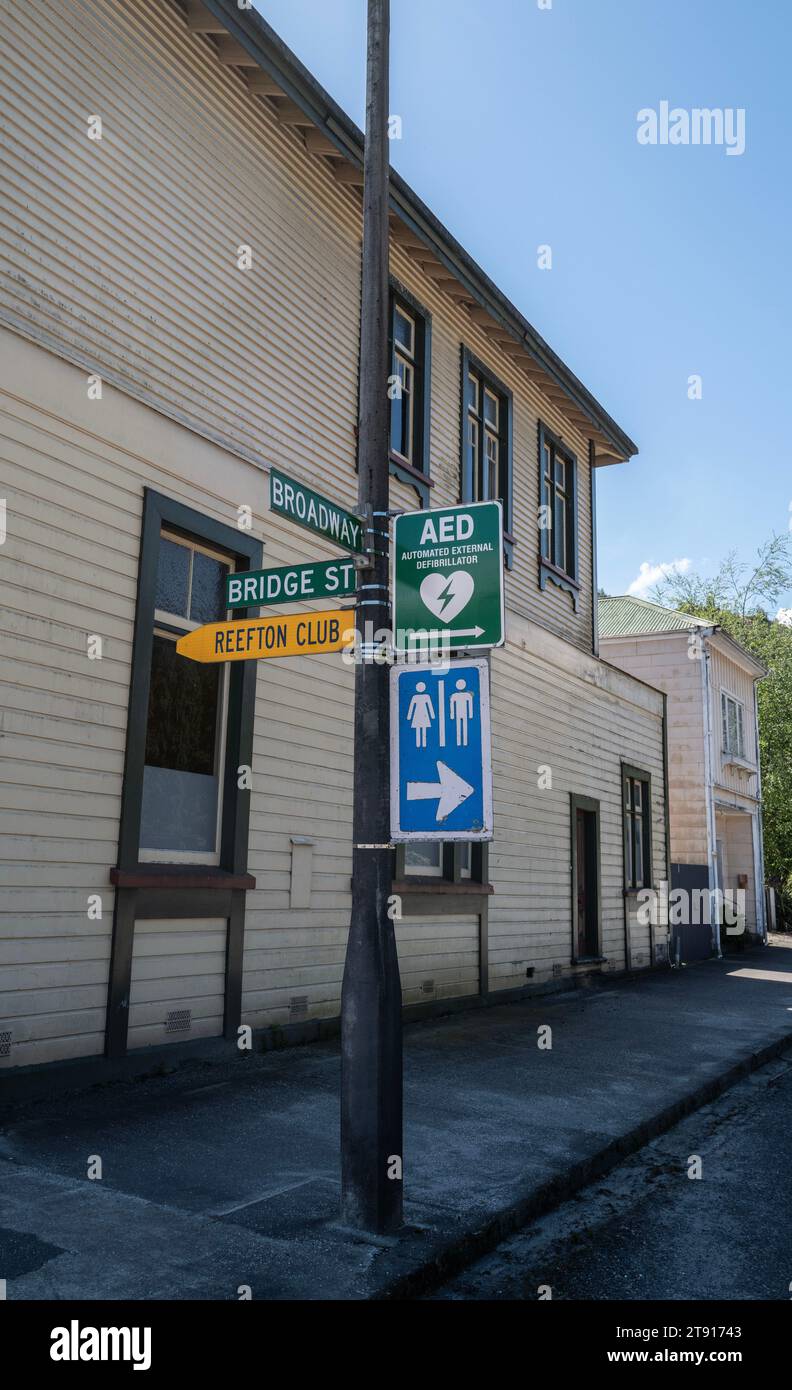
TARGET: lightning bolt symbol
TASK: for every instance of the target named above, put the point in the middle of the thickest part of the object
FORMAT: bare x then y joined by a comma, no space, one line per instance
447,595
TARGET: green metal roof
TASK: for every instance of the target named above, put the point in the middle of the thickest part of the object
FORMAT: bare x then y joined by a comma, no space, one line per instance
625,616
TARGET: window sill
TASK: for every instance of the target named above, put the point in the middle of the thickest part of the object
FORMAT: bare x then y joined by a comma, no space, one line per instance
550,573
413,477
176,876
444,885
633,892
589,960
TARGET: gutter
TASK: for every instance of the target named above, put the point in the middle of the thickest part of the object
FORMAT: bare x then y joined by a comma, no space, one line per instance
759,868
273,57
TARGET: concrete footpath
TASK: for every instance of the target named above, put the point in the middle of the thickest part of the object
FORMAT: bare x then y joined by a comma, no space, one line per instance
224,1176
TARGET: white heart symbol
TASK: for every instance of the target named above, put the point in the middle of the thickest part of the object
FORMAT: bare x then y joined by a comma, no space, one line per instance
445,595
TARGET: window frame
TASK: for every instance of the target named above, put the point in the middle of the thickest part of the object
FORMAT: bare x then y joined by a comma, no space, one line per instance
739,705
472,365
630,773
416,473
451,869
162,513
172,626
550,571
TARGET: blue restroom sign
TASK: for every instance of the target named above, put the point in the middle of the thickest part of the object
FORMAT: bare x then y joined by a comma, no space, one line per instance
441,775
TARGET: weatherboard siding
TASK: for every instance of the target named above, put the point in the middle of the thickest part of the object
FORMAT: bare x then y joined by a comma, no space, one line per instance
727,675
555,709
122,261
664,662
122,255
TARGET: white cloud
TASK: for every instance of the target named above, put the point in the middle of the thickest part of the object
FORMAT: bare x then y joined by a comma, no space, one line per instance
784,616
649,575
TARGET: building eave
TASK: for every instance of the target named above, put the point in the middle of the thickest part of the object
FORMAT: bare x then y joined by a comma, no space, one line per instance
493,311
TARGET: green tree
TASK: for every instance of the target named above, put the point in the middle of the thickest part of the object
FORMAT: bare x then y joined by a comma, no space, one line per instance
735,599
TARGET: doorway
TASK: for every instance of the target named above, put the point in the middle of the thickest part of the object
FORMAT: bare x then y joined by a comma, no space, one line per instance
585,879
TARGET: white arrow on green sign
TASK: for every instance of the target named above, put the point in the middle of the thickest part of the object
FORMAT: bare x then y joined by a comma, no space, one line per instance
291,583
448,577
308,508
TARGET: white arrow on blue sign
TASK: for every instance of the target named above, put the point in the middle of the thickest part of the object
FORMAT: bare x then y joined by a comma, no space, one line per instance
441,777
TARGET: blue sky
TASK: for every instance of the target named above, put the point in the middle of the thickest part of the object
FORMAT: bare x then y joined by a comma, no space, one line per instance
519,129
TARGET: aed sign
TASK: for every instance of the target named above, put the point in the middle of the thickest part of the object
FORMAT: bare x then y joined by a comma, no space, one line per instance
298,634
291,583
448,577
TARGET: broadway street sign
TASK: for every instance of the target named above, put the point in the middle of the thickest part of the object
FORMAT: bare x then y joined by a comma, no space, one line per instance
448,577
291,583
441,779
299,634
299,503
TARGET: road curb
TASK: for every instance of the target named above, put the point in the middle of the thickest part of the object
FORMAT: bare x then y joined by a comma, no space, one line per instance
449,1258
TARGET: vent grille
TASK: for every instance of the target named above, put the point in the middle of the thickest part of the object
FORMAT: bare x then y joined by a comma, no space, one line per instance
428,987
558,970
298,1006
178,1021
5,1043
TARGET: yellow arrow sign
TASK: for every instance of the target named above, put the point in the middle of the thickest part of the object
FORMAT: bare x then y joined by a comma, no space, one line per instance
299,634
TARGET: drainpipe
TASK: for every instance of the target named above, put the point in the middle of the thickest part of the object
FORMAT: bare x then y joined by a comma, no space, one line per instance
759,875
667,821
709,784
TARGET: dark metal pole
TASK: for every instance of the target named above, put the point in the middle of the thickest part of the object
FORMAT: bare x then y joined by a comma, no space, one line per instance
371,1057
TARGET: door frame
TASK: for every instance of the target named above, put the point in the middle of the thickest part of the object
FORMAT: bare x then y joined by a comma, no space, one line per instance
585,803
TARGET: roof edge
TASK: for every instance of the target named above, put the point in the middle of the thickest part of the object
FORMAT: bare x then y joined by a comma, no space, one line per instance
263,44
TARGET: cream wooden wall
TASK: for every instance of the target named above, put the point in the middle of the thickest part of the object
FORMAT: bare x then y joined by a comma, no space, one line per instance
554,708
123,256
727,674
122,260
664,663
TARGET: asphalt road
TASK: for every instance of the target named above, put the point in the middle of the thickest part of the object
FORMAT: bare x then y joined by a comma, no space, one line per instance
650,1231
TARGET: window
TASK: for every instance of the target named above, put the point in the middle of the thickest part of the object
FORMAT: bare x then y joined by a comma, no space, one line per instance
732,725
637,803
558,517
190,725
586,889
410,344
188,702
448,862
486,440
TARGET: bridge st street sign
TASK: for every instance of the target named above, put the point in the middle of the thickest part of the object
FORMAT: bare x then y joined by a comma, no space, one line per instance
448,577
316,513
441,778
291,583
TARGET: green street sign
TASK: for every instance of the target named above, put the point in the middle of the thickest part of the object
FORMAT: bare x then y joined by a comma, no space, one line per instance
316,513
291,583
448,577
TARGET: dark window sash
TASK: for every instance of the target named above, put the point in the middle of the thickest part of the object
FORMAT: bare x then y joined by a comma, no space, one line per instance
637,828
414,473
161,512
468,490
559,559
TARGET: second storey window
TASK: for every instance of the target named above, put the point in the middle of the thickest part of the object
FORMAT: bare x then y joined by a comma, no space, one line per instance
733,725
486,440
558,497
408,389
